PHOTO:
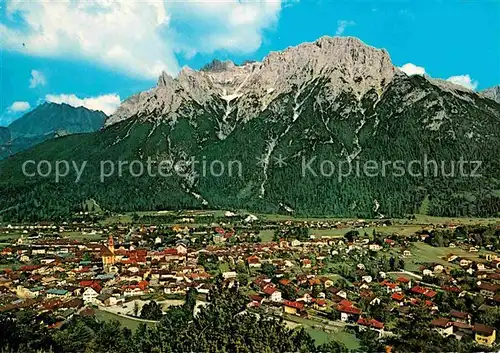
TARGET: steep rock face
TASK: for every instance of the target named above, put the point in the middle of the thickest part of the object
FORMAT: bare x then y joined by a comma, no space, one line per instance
492,93
240,93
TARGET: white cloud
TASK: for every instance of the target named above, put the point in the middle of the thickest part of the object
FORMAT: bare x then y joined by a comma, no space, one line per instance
37,79
139,38
412,69
106,103
14,111
342,25
19,107
463,80
232,25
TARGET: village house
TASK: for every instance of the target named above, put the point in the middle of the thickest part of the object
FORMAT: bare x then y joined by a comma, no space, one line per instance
487,289
292,307
427,272
319,304
229,275
254,261
89,295
398,296
273,293
465,263
306,263
338,292
374,247
57,293
373,324
484,335
181,248
348,312
429,293
443,326
438,269
390,286
459,316
306,298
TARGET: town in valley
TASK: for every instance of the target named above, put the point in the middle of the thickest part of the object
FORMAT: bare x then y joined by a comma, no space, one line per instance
350,281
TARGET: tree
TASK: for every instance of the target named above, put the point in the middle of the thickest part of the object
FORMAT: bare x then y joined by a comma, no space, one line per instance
490,316
392,263
190,302
332,347
221,326
268,269
86,257
242,278
351,235
151,311
316,290
136,308
369,342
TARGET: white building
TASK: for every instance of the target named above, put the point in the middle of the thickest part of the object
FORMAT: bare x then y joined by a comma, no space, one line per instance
89,295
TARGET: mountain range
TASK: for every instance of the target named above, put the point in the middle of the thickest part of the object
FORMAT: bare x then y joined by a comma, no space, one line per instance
47,121
336,100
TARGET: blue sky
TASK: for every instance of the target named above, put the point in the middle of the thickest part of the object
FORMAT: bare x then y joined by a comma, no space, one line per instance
97,54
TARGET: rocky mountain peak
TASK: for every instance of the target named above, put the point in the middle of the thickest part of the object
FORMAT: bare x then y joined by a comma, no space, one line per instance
218,66
341,63
165,80
492,93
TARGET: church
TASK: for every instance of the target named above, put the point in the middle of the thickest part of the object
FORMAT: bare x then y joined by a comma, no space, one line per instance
108,255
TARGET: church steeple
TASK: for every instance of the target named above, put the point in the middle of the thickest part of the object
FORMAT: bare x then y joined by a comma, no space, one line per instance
111,244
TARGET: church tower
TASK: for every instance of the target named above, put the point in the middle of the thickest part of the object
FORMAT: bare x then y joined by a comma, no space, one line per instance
111,244
108,255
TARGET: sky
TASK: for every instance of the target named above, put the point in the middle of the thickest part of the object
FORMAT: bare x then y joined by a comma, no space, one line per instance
98,53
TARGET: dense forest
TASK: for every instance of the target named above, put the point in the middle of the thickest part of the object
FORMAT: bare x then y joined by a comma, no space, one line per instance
349,132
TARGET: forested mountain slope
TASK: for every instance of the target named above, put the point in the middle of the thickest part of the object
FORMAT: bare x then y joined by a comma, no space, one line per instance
335,100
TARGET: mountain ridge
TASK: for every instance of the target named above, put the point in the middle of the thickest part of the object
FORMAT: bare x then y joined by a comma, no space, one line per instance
248,89
47,121
492,93
317,114
50,117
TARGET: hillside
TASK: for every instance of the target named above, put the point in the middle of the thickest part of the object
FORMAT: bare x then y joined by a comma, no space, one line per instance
50,118
48,121
4,135
335,100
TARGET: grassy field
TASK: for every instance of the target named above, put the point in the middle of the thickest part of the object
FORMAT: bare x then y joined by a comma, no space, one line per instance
107,316
9,236
348,339
116,219
82,236
224,267
419,219
266,235
424,219
71,235
422,252
403,229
